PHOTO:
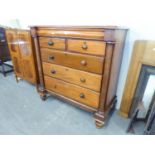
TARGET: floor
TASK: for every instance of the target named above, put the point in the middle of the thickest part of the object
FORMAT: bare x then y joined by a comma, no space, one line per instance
23,112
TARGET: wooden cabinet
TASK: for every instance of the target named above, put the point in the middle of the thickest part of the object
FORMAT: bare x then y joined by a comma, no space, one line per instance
80,65
22,53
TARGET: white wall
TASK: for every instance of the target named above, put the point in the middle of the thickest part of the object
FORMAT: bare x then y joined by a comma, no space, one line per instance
148,94
137,15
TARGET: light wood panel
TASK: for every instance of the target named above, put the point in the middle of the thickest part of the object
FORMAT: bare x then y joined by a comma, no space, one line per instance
143,53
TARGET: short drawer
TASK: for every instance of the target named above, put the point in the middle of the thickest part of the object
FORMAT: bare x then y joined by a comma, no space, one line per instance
74,92
85,46
78,61
81,78
55,43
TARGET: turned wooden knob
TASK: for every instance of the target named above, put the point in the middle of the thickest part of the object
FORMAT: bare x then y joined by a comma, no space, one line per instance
83,80
51,57
53,71
82,95
50,43
83,62
84,46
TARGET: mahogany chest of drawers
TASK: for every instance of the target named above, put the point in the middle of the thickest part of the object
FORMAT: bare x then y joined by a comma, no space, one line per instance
80,65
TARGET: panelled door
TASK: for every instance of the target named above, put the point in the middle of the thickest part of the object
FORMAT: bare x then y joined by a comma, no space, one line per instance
12,39
27,57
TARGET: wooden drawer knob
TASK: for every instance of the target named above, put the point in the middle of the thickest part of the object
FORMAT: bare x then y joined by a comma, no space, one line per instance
51,58
84,46
83,62
82,95
53,71
50,43
83,80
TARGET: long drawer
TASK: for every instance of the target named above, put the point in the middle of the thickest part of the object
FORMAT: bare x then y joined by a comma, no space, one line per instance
85,46
72,33
78,61
83,95
81,78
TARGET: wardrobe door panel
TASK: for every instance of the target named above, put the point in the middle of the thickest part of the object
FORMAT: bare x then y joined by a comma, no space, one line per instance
25,47
12,39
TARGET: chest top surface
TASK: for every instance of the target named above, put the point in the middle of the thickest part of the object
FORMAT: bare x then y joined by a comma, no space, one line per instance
105,33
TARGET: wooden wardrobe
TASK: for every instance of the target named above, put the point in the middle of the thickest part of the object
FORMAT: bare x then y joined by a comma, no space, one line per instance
22,54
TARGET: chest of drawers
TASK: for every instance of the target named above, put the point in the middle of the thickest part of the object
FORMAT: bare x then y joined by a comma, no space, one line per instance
80,65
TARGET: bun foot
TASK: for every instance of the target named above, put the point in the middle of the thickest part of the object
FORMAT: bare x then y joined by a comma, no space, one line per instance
99,119
43,97
99,124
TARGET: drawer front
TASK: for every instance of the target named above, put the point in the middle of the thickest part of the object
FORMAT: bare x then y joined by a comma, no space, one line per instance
81,78
54,43
89,47
72,33
74,92
78,61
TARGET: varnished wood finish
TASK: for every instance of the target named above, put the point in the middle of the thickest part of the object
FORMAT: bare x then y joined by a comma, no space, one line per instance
12,40
78,61
115,64
74,92
22,53
143,53
85,73
71,101
71,34
85,46
54,43
81,78
105,78
40,84
27,56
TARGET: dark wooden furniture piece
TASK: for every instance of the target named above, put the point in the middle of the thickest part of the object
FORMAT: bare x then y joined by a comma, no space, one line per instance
22,53
4,54
150,124
134,118
149,119
80,65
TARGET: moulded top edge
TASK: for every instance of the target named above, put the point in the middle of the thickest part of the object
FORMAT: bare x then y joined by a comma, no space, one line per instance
77,27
